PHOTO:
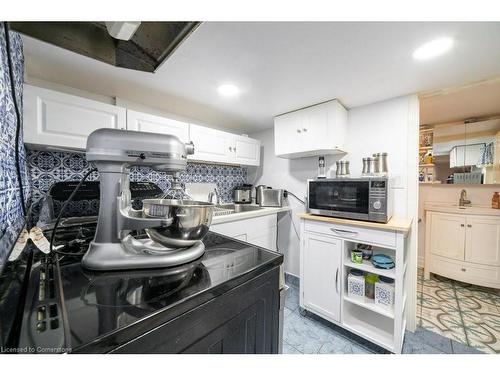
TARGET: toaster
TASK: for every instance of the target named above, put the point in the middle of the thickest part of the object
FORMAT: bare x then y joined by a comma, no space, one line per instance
270,198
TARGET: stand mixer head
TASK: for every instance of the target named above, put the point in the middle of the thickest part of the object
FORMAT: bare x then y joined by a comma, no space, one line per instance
113,152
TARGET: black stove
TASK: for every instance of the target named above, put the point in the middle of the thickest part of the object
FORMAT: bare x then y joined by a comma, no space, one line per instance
70,309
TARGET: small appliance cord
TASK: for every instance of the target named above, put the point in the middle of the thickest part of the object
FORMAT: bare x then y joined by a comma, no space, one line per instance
65,204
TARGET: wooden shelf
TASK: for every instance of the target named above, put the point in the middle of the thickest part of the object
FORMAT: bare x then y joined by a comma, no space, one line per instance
367,266
369,304
426,165
426,130
425,148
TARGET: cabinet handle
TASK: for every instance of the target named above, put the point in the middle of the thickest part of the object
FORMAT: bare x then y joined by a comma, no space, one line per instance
234,149
462,225
299,131
230,148
463,269
469,225
337,280
343,231
304,130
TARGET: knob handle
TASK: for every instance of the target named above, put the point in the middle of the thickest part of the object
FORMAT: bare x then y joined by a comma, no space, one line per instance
377,205
299,131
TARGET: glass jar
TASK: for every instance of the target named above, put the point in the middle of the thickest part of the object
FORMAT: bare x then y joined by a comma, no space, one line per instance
370,280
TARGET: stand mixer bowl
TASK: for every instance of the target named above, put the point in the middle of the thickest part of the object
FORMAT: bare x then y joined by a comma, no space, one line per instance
191,221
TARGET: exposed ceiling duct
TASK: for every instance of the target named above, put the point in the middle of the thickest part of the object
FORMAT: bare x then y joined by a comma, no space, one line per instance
133,45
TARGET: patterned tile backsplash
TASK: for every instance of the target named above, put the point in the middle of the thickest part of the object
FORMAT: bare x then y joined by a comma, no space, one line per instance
11,213
47,168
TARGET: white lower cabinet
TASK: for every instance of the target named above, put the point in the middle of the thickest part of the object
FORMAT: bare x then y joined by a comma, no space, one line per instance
260,231
324,268
464,247
321,275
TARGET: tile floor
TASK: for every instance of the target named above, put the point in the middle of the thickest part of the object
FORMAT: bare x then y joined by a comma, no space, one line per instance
312,335
461,312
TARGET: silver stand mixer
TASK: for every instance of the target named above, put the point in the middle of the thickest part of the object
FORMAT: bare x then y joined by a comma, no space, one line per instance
113,152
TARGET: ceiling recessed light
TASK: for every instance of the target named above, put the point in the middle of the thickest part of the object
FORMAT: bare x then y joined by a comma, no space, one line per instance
228,89
433,48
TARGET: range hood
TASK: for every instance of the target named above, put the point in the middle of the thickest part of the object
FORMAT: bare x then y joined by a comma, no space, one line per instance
136,45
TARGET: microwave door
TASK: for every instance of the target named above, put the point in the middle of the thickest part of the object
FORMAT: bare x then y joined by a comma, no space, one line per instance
340,196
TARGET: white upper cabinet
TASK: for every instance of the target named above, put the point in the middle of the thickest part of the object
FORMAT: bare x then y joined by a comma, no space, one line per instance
210,144
312,131
146,122
223,147
59,120
56,119
246,150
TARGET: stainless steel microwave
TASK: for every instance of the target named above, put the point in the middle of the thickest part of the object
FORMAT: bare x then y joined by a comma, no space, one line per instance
351,198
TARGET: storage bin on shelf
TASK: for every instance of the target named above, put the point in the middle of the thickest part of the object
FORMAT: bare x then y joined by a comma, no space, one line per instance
384,292
356,284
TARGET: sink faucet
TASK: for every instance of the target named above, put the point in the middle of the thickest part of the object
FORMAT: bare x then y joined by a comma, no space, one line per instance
217,196
463,198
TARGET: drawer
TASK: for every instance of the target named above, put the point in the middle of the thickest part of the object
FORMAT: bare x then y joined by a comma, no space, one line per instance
488,276
370,236
252,227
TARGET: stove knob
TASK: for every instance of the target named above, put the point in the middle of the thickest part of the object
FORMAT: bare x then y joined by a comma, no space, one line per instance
377,205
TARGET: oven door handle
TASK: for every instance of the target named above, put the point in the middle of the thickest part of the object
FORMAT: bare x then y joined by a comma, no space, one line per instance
344,232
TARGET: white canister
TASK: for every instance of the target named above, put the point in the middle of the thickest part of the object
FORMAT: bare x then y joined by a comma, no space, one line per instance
384,292
356,284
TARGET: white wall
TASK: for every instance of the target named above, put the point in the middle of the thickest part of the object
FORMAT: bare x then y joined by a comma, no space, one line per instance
379,127
478,194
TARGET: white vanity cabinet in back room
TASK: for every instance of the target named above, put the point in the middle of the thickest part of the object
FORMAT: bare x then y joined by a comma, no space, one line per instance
312,131
464,247
56,119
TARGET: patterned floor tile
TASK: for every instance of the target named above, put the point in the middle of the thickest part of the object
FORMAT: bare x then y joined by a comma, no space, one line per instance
467,314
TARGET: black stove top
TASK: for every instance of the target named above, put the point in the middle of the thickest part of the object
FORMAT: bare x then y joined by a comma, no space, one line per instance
69,308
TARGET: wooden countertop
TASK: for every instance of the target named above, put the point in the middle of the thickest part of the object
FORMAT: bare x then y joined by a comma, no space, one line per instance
398,224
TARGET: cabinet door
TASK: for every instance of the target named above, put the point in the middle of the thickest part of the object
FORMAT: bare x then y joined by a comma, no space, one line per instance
447,235
483,241
315,128
146,122
321,275
288,133
56,119
246,150
211,145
